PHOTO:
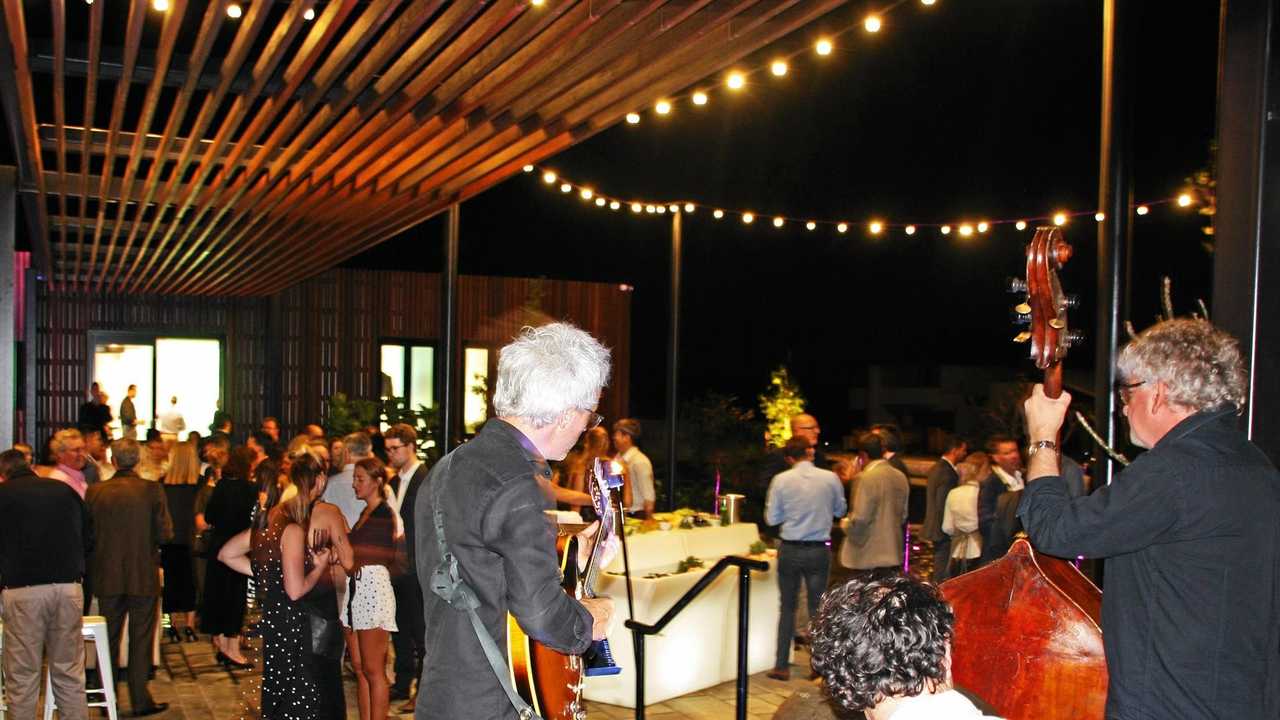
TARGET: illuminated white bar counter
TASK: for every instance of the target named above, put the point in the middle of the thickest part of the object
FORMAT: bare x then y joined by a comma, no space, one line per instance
699,649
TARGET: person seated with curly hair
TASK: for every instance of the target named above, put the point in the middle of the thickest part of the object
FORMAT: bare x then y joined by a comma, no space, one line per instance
883,647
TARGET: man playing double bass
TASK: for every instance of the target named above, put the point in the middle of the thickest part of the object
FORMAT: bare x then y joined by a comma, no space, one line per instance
1191,612
491,493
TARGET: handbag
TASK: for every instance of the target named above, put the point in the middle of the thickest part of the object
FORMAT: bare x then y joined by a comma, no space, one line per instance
200,546
326,635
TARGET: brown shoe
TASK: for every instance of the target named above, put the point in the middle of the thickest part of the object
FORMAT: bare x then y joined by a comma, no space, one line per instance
776,674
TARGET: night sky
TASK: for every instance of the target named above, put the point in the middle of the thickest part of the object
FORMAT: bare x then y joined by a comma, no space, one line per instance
967,110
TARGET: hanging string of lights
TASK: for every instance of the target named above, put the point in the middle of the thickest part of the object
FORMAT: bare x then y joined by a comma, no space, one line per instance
874,226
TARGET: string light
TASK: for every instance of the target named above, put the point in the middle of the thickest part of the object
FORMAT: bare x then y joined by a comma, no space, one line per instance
1059,219
1184,200
717,214
748,218
586,193
735,80
635,207
1099,216
699,98
548,177
875,227
778,68
688,208
1021,225
615,205
633,118
234,11
309,14
537,3
823,47
842,228
674,208
599,202
966,230
565,187
662,107
910,229
1143,210
945,229
650,209
928,3
527,168
983,226
779,222
662,209
872,23
811,226
160,5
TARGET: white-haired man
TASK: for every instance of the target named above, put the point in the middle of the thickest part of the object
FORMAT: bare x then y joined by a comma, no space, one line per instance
491,494
1191,615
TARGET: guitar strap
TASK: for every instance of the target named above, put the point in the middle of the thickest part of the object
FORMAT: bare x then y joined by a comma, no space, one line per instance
448,585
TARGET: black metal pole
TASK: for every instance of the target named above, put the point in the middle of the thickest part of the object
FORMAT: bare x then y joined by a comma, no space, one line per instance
1115,198
673,352
637,642
450,390
744,615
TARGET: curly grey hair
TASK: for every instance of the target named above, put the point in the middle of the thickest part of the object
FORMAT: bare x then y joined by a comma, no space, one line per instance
549,370
1200,364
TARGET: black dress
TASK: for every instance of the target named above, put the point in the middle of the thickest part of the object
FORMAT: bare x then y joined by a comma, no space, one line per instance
229,511
175,556
289,691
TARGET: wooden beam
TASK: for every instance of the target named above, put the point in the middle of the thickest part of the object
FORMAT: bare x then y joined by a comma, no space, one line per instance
90,98
93,143
18,97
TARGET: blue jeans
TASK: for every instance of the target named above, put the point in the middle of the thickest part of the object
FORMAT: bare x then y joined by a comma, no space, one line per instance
812,563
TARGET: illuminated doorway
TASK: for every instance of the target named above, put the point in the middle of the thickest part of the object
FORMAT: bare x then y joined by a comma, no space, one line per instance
162,368
116,366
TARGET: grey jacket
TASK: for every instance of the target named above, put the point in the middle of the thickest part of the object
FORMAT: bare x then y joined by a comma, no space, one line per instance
493,504
874,536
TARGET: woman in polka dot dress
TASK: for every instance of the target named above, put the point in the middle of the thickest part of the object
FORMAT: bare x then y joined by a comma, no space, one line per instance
370,611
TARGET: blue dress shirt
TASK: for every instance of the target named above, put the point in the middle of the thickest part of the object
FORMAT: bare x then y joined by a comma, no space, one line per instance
804,500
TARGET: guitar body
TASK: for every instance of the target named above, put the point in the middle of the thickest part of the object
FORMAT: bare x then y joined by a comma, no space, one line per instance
550,681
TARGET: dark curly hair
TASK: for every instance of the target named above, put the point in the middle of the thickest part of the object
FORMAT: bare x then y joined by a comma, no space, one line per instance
878,638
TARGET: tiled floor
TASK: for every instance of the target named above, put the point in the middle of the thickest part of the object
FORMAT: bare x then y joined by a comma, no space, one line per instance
215,694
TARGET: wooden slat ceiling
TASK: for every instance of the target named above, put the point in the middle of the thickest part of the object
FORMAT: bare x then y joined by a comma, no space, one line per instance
186,152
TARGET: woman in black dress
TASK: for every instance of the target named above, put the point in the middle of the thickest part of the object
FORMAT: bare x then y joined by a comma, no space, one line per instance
284,570
180,490
229,511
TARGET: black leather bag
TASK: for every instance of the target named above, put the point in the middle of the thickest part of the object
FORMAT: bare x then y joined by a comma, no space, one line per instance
326,635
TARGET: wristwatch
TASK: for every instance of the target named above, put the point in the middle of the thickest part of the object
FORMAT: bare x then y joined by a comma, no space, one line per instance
1036,446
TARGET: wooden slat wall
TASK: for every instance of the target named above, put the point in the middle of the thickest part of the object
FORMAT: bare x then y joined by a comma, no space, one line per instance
329,332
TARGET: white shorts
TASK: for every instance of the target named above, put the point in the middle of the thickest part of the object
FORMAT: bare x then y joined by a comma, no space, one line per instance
374,603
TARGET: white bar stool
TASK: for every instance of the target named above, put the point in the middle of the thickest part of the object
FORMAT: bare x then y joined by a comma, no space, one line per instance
95,629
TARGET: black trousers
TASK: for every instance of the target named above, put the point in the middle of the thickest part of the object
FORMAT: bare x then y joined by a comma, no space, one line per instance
141,611
410,641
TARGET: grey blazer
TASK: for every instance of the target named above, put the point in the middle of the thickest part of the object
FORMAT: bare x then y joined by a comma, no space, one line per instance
873,533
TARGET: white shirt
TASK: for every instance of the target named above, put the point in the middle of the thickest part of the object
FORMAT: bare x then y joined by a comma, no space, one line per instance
948,705
960,521
640,472
1012,482
342,493
171,421
396,499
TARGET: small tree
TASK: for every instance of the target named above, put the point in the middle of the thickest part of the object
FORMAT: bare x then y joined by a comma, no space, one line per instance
780,402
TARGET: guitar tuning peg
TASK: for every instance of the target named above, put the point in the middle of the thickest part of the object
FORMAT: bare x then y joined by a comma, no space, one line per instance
1015,285
1022,337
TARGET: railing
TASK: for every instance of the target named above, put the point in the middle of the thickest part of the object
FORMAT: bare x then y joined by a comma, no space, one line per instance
640,630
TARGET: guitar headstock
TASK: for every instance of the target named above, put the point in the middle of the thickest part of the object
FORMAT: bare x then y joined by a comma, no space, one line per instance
1045,309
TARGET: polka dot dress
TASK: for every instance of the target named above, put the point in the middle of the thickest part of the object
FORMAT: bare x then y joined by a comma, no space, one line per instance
289,692
373,604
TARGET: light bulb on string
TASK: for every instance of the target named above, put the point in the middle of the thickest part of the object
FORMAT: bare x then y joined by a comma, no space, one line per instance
1059,219
875,227
565,187
548,177
842,228
586,193
537,3
779,222
615,205
699,98
872,23
635,207
1099,216
527,168
600,202
778,68
748,218
633,118
983,226
160,5
717,214
811,226
1184,200
966,230
910,229
309,14
945,229
650,209
735,80
1021,225
688,208
662,209
928,3
1143,210
234,11
823,47
673,208
662,107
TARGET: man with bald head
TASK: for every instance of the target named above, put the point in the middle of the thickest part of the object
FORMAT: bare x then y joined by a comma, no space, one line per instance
804,426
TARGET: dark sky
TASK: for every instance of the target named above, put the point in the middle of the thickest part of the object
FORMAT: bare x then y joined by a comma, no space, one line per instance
967,110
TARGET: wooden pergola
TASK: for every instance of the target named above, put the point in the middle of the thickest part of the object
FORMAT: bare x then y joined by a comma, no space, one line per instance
188,152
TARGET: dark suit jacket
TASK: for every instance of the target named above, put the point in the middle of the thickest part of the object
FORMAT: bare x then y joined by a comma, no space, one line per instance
942,479
406,508
130,521
127,414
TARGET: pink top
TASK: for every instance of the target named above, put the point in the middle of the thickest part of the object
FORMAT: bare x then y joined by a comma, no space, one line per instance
72,477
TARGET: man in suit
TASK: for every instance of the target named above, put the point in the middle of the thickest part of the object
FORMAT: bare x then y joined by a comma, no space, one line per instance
943,477
997,514
874,541
128,414
402,491
131,520
891,438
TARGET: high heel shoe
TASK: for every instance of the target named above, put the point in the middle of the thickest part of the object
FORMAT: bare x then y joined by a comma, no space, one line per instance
172,633
229,664
190,634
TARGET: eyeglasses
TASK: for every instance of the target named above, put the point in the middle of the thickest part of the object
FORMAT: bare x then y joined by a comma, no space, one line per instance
395,447
1125,390
595,420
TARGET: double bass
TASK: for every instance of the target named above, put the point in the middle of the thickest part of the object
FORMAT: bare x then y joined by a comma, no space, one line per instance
551,681
1028,632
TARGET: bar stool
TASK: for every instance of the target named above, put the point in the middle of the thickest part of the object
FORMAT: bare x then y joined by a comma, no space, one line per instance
95,629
